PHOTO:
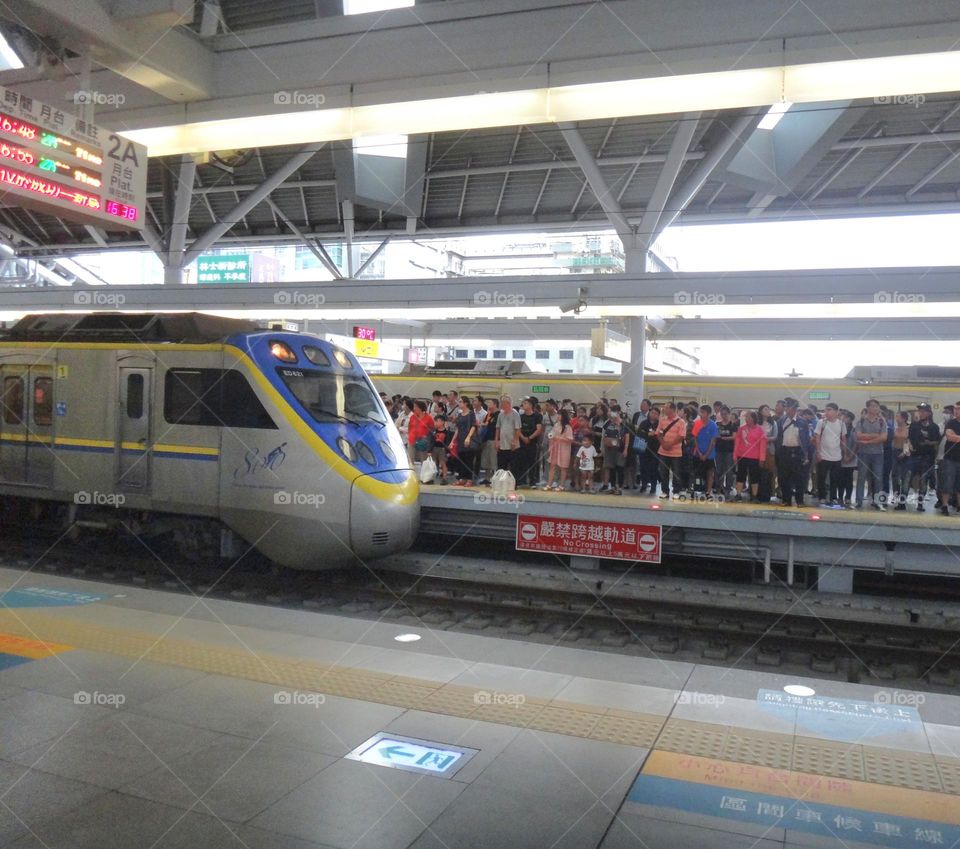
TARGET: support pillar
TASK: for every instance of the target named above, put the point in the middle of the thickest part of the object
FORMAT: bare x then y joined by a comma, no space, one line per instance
631,375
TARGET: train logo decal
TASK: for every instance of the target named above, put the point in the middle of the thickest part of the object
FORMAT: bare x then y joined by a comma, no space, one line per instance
254,463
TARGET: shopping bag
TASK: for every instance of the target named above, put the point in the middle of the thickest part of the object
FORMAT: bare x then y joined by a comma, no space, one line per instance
428,470
503,482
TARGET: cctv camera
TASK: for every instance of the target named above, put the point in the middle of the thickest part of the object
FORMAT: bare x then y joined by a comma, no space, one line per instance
579,305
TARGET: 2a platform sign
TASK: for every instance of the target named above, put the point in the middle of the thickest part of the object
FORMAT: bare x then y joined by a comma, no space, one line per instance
589,538
55,162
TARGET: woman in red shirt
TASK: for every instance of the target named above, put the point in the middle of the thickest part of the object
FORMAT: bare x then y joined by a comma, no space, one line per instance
420,433
749,451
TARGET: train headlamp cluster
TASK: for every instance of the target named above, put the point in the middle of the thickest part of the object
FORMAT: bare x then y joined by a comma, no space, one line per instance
316,356
388,452
342,358
346,449
283,352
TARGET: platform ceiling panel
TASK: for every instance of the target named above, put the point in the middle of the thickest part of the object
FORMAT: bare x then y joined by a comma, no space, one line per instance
525,176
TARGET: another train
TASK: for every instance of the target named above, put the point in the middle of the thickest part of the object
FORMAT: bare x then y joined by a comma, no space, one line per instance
199,429
897,387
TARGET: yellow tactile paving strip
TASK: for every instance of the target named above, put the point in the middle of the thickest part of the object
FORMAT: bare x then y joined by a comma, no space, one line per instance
593,722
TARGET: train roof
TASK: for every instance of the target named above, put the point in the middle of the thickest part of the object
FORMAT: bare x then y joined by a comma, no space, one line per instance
190,327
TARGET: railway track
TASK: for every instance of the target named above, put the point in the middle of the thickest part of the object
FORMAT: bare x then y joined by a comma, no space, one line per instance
890,642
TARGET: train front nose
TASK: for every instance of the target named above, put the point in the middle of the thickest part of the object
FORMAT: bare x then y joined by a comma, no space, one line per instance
384,513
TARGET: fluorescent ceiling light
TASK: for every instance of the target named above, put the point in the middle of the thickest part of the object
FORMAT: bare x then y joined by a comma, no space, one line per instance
799,690
393,145
361,7
407,638
773,116
814,83
9,61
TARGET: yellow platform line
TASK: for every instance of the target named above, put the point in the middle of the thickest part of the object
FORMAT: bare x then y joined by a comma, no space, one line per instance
877,766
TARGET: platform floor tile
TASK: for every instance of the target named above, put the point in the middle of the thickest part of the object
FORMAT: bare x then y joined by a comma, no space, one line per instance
565,769
631,831
354,805
29,718
31,798
118,821
112,751
233,778
492,816
66,674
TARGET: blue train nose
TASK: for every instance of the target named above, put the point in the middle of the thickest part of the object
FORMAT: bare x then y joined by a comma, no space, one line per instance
384,513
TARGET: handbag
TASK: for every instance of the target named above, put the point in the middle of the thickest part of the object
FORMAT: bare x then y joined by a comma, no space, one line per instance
422,444
639,444
611,442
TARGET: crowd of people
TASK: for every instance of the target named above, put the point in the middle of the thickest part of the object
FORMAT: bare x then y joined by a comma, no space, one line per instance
787,454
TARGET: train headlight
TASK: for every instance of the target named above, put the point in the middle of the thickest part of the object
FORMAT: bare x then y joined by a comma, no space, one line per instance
388,452
283,352
342,358
316,356
366,454
346,449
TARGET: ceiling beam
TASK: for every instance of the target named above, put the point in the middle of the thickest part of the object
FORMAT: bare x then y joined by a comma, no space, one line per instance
639,293
734,135
676,156
598,184
210,236
145,47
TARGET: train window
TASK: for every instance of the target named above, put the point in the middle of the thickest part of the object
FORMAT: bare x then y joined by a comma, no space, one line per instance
519,354
183,398
542,354
566,355
480,354
43,401
135,396
212,397
13,400
240,407
334,397
499,354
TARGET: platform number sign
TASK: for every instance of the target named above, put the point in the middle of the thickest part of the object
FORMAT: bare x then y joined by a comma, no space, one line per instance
58,163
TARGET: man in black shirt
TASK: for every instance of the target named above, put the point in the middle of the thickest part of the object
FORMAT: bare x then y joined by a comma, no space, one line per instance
726,468
950,465
531,429
649,468
924,437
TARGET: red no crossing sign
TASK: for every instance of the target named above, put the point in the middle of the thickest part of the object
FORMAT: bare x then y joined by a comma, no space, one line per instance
589,538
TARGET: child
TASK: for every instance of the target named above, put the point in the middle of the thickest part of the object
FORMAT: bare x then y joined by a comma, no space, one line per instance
585,456
440,437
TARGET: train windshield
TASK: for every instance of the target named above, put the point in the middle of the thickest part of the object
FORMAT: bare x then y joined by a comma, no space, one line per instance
334,397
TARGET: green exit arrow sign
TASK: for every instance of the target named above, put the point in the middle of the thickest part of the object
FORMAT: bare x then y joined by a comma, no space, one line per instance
539,389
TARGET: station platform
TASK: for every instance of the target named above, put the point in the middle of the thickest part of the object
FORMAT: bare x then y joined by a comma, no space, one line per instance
141,718
893,542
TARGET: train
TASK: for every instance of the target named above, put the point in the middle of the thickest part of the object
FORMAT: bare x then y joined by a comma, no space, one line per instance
897,387
210,434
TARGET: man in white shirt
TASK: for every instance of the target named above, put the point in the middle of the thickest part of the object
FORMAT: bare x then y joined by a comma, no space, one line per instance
828,441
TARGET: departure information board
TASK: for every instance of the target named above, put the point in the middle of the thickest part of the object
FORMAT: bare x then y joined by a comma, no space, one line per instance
54,162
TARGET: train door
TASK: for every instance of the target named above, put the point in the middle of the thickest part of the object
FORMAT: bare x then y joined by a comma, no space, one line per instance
40,457
13,424
26,425
133,428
